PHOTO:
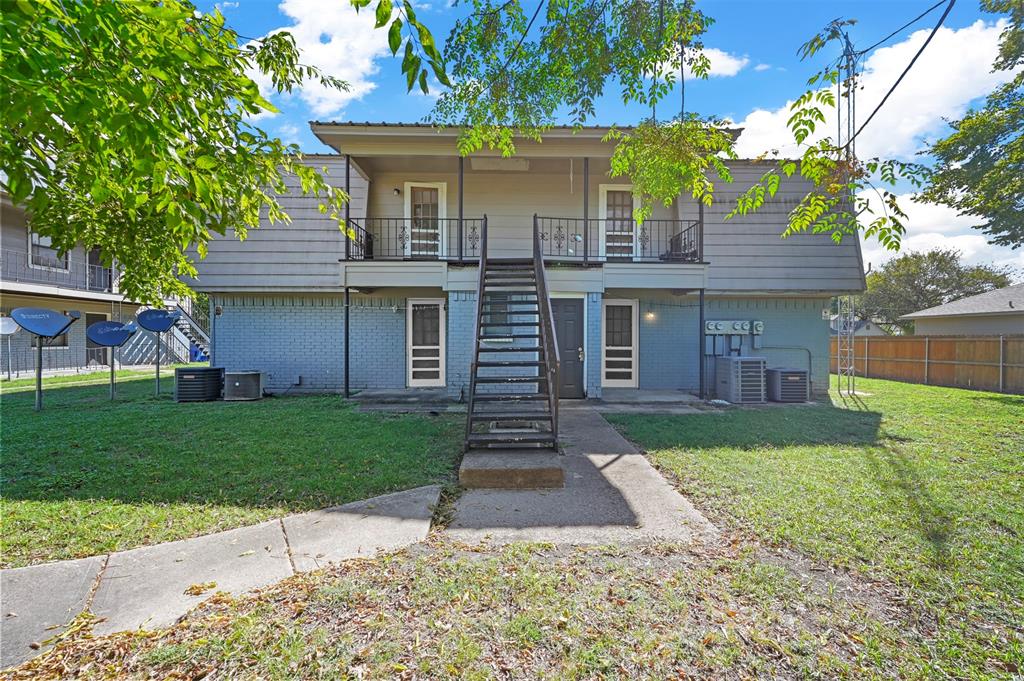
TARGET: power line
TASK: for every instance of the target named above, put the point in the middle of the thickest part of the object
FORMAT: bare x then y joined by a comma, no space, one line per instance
899,80
910,23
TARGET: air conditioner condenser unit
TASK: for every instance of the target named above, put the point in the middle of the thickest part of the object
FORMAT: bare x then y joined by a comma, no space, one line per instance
788,385
243,385
740,380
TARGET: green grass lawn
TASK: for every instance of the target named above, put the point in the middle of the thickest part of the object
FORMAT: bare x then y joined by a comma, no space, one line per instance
921,487
86,476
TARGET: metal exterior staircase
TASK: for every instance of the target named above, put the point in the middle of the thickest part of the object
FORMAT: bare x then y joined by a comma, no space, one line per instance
193,331
513,391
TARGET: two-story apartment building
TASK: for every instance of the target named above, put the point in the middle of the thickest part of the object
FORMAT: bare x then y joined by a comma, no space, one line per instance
626,299
34,274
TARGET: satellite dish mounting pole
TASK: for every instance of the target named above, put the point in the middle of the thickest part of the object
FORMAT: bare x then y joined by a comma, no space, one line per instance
8,357
113,355
157,363
39,373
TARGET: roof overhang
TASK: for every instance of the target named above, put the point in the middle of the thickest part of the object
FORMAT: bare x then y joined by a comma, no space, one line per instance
1009,311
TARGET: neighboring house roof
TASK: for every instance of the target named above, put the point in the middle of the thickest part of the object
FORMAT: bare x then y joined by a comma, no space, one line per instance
1009,300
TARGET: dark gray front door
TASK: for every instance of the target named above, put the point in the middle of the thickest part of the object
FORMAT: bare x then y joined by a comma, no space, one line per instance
568,314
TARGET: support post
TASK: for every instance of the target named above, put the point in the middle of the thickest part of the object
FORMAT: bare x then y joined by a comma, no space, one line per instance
348,188
8,357
703,348
1002,356
926,339
112,351
700,231
462,164
867,355
157,364
586,209
39,373
347,392
348,206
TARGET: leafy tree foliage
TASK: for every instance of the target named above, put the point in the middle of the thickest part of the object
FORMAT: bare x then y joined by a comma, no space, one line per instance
979,168
917,281
127,127
514,79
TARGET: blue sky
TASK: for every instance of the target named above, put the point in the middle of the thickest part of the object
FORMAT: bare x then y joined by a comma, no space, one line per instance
752,47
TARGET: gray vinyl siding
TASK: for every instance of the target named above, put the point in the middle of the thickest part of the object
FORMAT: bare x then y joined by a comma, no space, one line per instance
970,325
747,253
301,255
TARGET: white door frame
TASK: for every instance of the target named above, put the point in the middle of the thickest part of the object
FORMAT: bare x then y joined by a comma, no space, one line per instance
442,332
442,213
602,214
620,383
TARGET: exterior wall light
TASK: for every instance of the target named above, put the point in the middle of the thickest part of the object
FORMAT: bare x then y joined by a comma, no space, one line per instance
650,316
396,191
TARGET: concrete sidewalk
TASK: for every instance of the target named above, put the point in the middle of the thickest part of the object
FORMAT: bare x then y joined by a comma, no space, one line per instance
611,494
145,587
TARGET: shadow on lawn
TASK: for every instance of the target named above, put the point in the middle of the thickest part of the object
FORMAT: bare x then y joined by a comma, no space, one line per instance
296,452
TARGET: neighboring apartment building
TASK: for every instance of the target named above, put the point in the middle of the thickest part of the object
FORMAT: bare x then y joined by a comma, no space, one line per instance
34,274
626,298
995,313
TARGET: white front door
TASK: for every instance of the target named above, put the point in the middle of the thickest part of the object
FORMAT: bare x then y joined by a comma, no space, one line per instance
619,334
425,327
618,229
425,209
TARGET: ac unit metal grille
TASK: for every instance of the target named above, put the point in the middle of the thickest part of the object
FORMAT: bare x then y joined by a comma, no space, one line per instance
740,379
788,385
243,385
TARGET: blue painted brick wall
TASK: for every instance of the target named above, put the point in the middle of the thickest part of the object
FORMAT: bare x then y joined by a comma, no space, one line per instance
288,337
593,378
669,337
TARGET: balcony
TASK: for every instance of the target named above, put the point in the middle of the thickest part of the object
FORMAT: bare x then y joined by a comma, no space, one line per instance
17,267
447,239
565,240
590,240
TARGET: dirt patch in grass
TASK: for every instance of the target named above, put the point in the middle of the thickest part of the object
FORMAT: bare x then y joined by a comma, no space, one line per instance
446,610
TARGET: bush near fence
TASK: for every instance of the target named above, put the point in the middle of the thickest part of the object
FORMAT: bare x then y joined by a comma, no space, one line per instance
993,363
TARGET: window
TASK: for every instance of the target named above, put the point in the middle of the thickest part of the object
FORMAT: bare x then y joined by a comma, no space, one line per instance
43,254
60,341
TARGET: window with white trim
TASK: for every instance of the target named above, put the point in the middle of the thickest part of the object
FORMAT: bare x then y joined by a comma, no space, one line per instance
43,254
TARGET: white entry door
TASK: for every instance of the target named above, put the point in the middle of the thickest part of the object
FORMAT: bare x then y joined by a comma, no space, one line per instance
618,229
425,204
619,332
425,326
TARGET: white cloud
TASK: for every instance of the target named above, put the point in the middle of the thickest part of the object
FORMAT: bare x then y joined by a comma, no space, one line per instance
955,69
289,133
762,67
340,42
931,226
723,64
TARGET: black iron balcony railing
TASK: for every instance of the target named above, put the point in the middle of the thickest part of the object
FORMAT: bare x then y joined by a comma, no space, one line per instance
449,239
612,240
19,266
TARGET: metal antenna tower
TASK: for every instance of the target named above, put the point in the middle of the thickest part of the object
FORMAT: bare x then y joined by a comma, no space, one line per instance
846,114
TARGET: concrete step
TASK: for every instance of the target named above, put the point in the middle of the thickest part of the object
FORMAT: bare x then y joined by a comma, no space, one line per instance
511,469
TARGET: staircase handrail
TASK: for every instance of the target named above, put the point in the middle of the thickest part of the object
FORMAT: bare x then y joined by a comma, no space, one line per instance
476,327
196,326
548,337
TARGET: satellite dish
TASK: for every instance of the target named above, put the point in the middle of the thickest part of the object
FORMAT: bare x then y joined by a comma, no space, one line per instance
158,321
43,322
7,326
110,334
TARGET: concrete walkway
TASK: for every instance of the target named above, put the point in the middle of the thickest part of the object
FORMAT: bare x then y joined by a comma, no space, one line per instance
611,494
145,587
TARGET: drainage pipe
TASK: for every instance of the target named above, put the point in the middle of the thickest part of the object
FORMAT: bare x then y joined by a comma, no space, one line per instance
810,365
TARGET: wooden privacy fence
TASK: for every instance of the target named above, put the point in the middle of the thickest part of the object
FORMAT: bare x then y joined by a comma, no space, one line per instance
979,362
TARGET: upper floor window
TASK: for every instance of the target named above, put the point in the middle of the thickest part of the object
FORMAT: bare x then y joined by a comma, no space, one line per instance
43,254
